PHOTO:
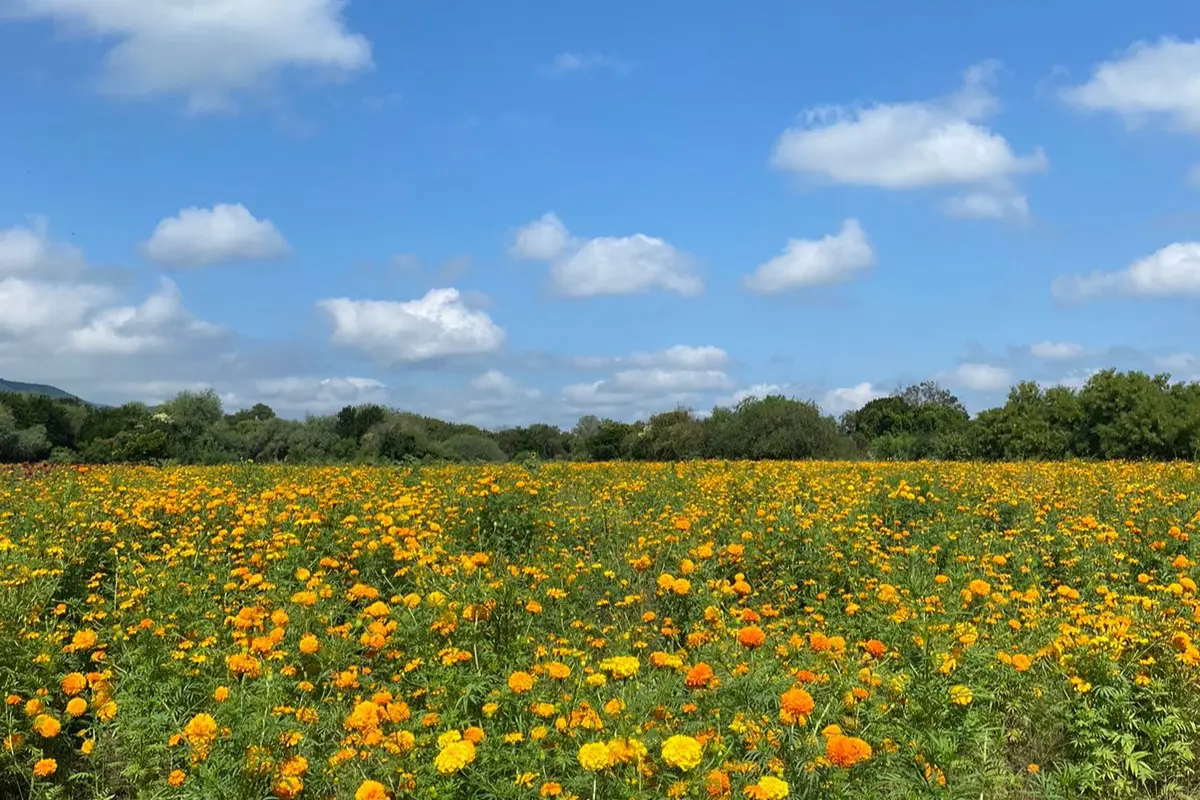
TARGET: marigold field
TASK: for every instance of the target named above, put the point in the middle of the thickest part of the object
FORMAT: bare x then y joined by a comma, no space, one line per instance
704,630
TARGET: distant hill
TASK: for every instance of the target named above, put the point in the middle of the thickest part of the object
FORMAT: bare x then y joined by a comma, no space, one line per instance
36,388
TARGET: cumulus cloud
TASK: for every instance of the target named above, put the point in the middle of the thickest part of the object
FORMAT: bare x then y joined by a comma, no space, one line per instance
200,237
543,239
908,145
1056,351
208,52
130,330
1150,80
850,398
54,306
438,325
979,377
28,250
805,263
1173,271
605,265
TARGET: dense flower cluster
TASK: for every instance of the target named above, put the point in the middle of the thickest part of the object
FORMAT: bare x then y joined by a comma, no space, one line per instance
709,630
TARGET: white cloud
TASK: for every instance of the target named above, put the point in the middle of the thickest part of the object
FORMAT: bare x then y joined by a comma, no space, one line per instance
35,306
834,258
200,237
579,62
496,385
1179,363
1056,351
907,145
60,318
605,265
437,325
645,383
543,239
669,381
207,51
988,205
980,377
1170,272
1149,80
29,251
318,395
680,356
850,398
130,330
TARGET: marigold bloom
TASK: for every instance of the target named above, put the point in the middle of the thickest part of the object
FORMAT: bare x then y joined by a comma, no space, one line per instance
309,644
682,752
961,695
768,788
455,757
46,726
520,682
593,756
177,777
76,707
45,767
371,790
699,676
794,705
751,636
846,751
74,683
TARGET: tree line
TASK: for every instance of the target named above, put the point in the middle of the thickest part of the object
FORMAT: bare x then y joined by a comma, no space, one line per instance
1115,415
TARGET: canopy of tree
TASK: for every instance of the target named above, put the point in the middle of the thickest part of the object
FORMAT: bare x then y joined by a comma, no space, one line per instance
1115,415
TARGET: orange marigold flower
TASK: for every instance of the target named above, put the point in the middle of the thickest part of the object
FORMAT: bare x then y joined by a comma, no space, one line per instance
751,636
699,676
794,705
520,682
846,751
45,767
74,683
371,790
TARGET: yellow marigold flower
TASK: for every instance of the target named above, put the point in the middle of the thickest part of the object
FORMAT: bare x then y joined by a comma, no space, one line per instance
593,756
682,752
309,644
621,667
77,707
455,757
45,767
768,788
221,694
177,777
961,695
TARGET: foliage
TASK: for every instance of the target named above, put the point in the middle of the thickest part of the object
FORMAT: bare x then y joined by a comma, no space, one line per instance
1114,415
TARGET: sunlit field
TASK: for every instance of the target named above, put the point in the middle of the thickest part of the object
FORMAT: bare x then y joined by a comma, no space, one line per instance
704,630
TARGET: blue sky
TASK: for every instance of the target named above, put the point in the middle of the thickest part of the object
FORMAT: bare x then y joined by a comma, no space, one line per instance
505,212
